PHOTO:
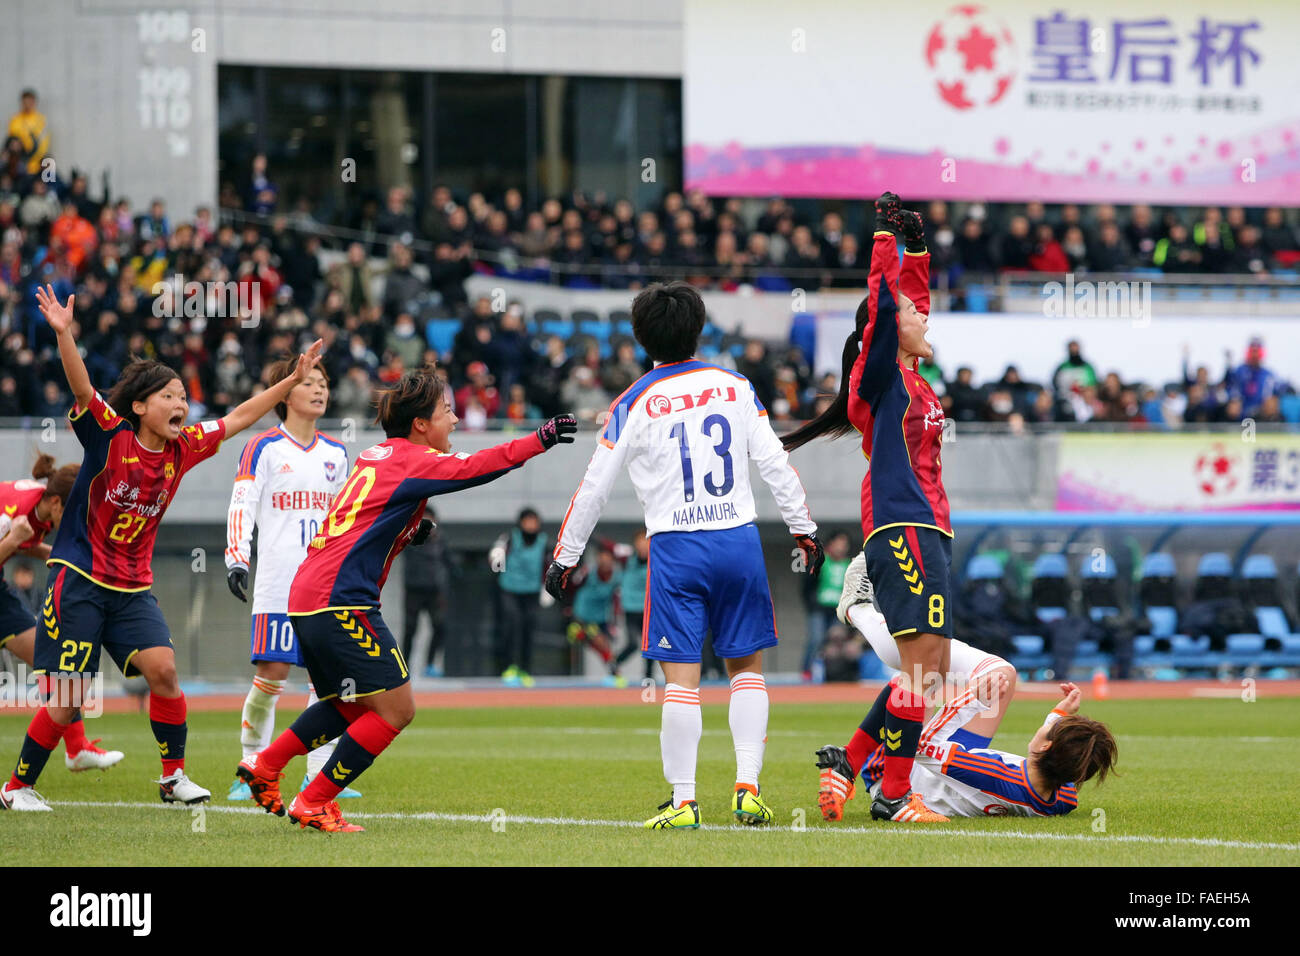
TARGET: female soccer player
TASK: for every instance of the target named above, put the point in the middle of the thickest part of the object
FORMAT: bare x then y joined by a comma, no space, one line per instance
288,476
31,510
98,592
905,523
960,781
354,661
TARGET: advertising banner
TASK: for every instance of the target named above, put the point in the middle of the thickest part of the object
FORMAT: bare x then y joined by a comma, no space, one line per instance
1112,100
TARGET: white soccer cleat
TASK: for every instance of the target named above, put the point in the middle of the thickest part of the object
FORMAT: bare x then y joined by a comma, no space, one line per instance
92,758
22,798
179,788
857,588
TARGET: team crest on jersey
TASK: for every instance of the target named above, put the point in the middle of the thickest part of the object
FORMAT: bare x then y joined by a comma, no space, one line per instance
995,810
377,452
169,471
330,468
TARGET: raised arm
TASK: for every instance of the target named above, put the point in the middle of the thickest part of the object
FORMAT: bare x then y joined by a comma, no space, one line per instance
60,319
252,410
878,313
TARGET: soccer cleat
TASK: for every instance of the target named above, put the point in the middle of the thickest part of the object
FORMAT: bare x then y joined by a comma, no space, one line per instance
22,798
526,679
857,588
347,793
835,785
685,817
613,680
91,757
909,808
265,793
239,791
179,788
749,808
327,817
510,676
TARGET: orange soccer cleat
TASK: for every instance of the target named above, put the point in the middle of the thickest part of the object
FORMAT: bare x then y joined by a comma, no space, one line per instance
835,785
909,808
327,817
265,793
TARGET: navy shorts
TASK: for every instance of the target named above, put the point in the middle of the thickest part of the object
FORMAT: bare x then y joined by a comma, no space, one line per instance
14,616
272,638
707,581
79,617
349,654
909,568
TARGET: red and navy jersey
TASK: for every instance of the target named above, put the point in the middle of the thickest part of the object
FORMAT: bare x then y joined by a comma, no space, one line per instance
894,408
378,511
111,517
20,498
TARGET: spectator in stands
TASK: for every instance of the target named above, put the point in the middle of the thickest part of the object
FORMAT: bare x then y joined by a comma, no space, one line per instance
1015,246
1142,233
403,341
260,193
1075,372
40,208
973,251
1278,237
402,287
583,396
396,219
1048,256
354,278
1177,253
621,369
480,387
29,128
963,401
1250,255
1110,253
1075,248
155,224
1250,383
1214,236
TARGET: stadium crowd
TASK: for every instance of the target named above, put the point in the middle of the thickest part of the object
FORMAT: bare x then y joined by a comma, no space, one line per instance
404,266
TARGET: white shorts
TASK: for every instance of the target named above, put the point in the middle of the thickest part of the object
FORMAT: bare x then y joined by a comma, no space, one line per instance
964,659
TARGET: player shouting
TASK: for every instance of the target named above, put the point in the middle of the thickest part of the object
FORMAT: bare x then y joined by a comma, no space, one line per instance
905,522
288,475
98,595
687,431
30,511
353,660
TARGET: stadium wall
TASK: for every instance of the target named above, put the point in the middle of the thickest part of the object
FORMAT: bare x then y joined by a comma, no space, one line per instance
132,88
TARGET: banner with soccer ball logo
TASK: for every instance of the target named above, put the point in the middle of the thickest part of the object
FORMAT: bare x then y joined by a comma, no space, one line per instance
1214,471
1070,102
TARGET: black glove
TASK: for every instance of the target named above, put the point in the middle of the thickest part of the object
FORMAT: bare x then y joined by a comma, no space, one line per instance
422,532
557,579
812,552
237,581
913,230
558,431
887,209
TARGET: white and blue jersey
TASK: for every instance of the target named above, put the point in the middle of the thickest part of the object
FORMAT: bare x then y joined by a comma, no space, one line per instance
960,782
284,489
686,432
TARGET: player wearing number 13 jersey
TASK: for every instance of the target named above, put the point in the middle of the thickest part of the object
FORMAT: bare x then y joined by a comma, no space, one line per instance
287,479
687,431
354,661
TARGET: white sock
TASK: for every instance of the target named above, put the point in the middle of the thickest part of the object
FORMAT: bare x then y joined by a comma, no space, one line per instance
679,739
748,718
257,723
873,627
318,758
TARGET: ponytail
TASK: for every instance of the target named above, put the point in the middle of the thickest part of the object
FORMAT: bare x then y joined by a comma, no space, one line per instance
44,467
834,422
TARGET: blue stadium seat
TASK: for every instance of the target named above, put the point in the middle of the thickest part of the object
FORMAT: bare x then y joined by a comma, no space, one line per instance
1157,575
1158,564
440,333
1049,614
1090,567
1291,408
1259,566
1214,564
764,283
1259,572
1272,622
977,299
1049,566
1164,620
1027,644
564,328
1245,643
984,567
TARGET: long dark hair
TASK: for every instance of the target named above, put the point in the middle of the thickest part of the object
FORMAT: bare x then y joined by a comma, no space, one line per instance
137,382
834,422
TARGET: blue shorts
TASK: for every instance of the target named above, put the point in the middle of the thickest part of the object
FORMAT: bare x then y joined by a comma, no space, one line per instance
79,617
272,638
707,581
350,653
909,568
14,616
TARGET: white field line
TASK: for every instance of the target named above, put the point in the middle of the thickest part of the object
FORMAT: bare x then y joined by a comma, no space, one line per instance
497,818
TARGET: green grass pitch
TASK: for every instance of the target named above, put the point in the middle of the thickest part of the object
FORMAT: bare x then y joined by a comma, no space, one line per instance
1203,782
